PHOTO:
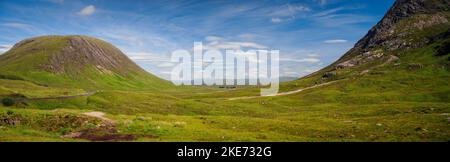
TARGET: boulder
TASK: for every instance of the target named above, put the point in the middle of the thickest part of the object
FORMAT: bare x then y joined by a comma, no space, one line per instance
328,75
345,64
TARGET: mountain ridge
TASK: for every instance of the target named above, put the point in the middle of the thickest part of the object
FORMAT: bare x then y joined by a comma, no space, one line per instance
408,24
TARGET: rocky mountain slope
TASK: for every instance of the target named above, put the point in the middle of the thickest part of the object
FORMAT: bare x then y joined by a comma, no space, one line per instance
409,24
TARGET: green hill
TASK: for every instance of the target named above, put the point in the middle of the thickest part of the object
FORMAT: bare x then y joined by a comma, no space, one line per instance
75,62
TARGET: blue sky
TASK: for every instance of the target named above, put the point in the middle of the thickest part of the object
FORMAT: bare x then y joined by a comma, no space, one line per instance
310,34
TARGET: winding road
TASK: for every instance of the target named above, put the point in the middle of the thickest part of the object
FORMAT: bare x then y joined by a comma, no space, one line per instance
234,98
286,93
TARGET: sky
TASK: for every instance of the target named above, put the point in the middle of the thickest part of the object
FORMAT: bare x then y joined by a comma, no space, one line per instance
310,34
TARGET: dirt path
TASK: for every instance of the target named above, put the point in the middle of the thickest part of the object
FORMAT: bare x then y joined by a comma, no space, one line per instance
286,93
106,131
99,115
58,97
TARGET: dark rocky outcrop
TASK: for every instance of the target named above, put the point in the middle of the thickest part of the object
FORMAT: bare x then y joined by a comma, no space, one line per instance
330,75
384,31
82,51
443,49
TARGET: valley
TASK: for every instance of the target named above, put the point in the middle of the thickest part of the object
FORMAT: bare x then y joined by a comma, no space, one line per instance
392,86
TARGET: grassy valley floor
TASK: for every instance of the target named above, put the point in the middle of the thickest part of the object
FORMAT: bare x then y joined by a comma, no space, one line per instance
394,102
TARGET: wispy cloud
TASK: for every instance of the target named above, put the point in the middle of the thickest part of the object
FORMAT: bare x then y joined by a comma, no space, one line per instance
165,65
213,38
335,20
340,16
18,25
329,11
250,36
298,72
148,57
336,41
276,20
233,45
303,60
56,1
286,12
155,63
4,48
322,2
219,43
313,55
135,40
88,10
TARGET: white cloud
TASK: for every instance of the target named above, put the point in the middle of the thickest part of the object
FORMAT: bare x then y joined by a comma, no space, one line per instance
276,20
250,36
154,63
335,18
308,60
322,2
305,53
309,70
134,40
147,57
57,1
86,11
288,10
166,72
290,73
4,48
340,20
18,25
298,72
219,43
232,45
313,55
303,60
213,38
336,41
165,65
329,12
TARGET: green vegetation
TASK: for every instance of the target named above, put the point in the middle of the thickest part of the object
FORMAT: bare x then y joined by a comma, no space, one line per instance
406,99
390,103
7,101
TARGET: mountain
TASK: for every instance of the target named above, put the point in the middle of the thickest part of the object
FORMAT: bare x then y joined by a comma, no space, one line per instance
408,25
75,61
